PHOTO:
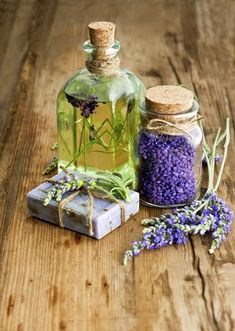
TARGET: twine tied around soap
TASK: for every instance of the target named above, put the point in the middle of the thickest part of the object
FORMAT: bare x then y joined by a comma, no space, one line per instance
91,193
69,198
165,127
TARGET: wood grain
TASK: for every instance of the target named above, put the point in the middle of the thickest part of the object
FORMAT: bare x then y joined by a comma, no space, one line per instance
52,279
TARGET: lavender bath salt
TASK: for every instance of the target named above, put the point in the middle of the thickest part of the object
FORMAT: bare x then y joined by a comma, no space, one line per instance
169,147
166,174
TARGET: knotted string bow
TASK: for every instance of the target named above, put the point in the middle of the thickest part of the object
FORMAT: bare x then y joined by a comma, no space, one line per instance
166,127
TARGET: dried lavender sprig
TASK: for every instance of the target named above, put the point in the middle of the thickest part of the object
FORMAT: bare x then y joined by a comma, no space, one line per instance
67,184
104,182
73,185
87,104
222,224
176,227
51,166
50,195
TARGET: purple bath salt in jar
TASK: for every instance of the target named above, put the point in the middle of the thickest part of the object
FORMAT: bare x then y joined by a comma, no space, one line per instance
169,147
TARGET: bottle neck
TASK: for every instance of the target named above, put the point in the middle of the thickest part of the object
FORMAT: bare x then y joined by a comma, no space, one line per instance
103,61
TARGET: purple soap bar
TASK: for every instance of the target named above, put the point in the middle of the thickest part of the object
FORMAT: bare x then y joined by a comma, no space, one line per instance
106,214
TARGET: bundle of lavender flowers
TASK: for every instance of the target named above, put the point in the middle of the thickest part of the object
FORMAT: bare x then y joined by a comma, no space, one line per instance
207,215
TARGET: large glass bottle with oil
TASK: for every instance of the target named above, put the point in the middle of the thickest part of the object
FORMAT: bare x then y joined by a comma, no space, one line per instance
98,109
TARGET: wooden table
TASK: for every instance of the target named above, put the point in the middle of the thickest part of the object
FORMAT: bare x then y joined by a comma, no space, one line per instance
52,279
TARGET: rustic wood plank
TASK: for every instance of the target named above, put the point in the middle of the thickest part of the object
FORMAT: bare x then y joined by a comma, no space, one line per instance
52,279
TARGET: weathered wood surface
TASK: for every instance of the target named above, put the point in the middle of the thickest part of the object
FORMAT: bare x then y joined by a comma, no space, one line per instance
52,279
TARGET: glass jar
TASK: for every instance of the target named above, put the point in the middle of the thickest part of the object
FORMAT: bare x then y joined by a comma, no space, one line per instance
98,109
170,148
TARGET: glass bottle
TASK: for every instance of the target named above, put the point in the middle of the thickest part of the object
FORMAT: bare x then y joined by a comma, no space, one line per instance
170,147
98,109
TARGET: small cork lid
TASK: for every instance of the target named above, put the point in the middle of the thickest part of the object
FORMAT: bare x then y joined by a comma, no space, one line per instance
101,33
169,99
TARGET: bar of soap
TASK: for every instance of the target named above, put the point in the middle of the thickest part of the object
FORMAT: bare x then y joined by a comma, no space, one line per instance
106,214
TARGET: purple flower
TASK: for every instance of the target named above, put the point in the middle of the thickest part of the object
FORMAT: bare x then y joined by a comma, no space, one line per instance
214,217
87,104
218,158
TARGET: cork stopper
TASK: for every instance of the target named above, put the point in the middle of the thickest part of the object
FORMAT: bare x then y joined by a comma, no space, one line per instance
101,33
169,99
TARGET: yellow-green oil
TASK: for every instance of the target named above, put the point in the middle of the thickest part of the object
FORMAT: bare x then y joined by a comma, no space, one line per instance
102,141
